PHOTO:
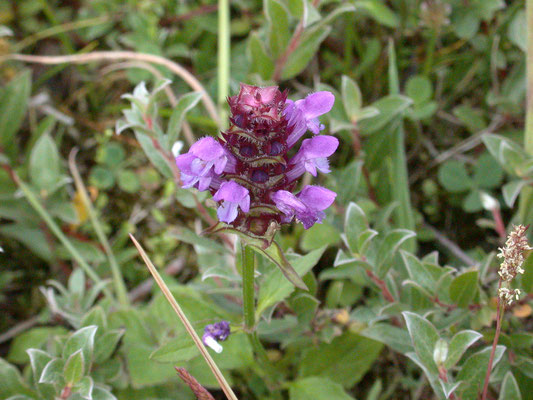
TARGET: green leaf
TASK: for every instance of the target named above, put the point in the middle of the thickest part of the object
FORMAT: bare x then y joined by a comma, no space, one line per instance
458,345
11,381
153,154
275,287
319,235
177,350
82,339
464,288
13,103
317,388
31,339
419,89
261,62
517,30
185,104
510,389
389,108
101,177
102,394
74,368
45,164
106,345
345,360
128,181
278,22
510,156
424,337
380,12
454,177
307,49
470,117
487,172
392,336
53,372
472,373
351,98
419,273
355,225
512,189
388,248
84,388
111,154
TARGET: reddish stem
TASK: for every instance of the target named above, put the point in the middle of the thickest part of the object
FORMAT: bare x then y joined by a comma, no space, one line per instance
292,46
387,295
494,344
500,226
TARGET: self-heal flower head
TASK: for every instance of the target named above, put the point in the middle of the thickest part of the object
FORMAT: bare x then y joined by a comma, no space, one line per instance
302,115
205,160
214,333
233,196
308,206
312,156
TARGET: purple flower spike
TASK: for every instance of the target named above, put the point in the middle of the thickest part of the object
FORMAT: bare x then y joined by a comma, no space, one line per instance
232,196
307,206
303,114
214,333
312,156
205,160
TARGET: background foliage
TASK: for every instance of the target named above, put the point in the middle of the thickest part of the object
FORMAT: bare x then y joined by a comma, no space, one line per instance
430,113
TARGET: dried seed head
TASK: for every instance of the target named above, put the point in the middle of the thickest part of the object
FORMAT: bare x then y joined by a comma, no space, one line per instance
513,253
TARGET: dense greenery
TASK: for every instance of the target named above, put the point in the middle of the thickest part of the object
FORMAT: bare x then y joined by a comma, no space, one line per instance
431,174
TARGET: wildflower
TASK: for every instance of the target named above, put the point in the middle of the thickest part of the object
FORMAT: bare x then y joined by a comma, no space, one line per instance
249,171
206,159
307,206
214,333
312,156
513,253
232,196
303,114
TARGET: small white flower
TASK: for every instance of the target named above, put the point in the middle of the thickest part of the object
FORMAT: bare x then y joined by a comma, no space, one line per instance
211,342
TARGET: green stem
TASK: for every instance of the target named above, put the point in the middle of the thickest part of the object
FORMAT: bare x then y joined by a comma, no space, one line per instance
223,58
248,292
526,196
34,202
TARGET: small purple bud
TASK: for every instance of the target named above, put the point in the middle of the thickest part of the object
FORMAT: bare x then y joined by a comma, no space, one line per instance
312,156
214,333
205,160
232,196
307,206
303,114
259,176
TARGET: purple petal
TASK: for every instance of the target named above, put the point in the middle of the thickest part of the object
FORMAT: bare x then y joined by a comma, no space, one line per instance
244,204
207,149
287,203
227,212
320,146
317,104
317,197
184,161
310,167
231,191
322,164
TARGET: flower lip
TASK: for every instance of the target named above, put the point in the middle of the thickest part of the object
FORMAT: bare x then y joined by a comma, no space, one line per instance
307,206
303,114
233,196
